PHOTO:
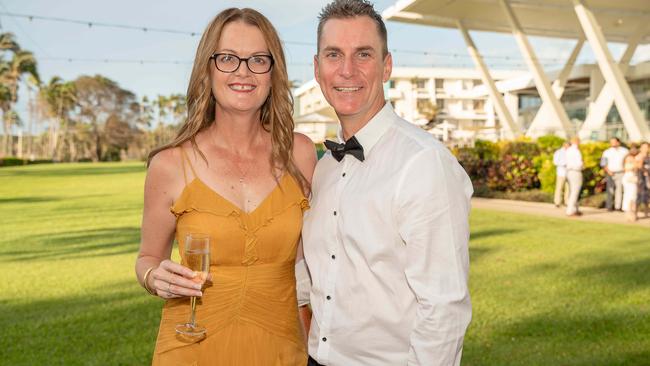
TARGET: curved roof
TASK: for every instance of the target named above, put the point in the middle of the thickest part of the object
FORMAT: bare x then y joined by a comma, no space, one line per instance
619,19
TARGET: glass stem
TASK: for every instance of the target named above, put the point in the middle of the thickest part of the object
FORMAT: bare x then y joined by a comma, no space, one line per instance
192,314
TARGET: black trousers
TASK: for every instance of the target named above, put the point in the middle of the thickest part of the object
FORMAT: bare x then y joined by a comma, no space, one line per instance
313,362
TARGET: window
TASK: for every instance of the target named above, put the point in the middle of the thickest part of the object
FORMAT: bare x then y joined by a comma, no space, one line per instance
420,83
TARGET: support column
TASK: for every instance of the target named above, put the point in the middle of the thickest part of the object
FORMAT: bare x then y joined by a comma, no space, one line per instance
499,105
599,109
627,106
541,81
545,113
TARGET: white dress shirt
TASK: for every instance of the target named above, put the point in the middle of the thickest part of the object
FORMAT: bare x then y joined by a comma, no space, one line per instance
614,157
386,245
559,160
573,158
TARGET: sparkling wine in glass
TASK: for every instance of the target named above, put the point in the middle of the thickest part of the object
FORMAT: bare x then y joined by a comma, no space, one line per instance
197,258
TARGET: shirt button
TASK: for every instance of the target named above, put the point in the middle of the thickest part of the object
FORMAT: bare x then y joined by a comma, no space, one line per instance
329,297
333,256
343,175
334,213
324,339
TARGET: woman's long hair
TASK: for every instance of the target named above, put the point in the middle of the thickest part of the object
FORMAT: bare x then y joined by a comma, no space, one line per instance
276,115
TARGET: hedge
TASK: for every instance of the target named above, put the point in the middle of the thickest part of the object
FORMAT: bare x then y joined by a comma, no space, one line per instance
523,165
13,161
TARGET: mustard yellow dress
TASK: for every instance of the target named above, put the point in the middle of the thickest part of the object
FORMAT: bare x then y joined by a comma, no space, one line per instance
250,309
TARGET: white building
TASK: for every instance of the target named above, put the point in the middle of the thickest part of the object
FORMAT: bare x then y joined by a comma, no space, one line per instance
442,100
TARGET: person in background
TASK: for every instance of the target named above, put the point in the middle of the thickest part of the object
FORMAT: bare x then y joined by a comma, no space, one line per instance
630,184
643,166
612,163
574,166
559,160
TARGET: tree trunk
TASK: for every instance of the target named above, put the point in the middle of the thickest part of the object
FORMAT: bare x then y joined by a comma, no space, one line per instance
6,139
53,142
72,148
97,142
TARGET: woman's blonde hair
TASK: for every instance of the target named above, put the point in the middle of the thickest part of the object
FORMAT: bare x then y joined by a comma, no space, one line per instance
276,115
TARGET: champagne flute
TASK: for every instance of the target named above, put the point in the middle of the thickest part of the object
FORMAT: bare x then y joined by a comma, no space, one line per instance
197,257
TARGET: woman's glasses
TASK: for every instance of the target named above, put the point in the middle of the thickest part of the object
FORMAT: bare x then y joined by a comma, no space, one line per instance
258,64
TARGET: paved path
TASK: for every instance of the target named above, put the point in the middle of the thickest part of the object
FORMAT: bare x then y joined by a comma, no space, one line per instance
548,209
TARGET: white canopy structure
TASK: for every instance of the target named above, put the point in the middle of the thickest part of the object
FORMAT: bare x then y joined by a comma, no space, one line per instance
594,21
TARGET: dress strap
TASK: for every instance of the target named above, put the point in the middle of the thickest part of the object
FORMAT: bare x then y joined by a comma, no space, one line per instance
186,159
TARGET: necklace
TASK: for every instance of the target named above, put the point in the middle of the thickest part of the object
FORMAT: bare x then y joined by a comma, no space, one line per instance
242,173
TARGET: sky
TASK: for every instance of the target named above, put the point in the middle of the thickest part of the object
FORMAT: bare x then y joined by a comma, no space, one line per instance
168,57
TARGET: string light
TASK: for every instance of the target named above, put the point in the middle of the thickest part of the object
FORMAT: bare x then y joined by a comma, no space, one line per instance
91,24
295,64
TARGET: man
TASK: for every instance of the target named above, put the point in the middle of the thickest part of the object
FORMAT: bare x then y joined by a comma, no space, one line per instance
574,176
559,160
386,238
612,163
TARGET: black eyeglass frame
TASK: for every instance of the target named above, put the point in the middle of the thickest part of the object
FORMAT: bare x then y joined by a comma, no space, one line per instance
214,56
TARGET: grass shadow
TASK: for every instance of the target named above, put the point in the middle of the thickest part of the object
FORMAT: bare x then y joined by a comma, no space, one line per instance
560,338
632,274
21,200
78,244
486,233
77,170
112,325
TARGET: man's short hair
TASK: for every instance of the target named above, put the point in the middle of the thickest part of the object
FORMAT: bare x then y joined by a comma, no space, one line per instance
341,9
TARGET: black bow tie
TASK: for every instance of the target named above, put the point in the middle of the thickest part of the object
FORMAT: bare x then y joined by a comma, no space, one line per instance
351,146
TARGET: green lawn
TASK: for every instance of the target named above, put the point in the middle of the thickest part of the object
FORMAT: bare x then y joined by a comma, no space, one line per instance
545,291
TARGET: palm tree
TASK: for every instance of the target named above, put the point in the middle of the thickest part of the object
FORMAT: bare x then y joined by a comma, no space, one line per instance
60,98
12,71
8,42
32,85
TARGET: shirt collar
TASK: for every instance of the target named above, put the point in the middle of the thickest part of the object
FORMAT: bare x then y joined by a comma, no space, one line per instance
369,134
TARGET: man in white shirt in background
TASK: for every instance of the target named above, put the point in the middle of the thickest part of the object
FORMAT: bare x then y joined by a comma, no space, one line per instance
574,176
612,163
386,239
559,160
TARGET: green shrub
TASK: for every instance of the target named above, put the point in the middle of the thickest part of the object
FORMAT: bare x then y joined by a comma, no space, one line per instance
550,143
40,161
11,161
521,165
486,150
593,175
517,147
546,173
320,150
596,200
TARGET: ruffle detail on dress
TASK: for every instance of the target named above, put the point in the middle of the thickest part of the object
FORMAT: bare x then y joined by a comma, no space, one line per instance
250,250
304,204
194,200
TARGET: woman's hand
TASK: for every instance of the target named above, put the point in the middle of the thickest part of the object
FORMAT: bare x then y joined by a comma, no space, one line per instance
172,280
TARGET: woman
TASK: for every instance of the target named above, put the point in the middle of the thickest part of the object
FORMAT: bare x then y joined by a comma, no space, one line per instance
630,181
643,168
237,172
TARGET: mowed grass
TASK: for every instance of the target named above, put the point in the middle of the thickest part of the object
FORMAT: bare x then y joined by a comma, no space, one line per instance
545,291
